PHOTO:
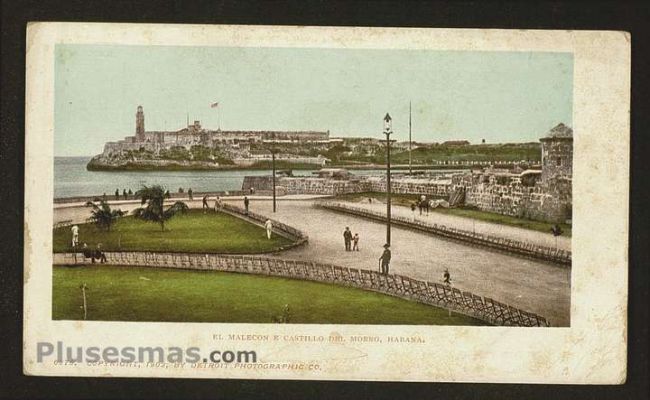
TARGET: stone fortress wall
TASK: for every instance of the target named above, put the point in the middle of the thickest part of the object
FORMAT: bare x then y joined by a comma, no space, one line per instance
544,194
235,142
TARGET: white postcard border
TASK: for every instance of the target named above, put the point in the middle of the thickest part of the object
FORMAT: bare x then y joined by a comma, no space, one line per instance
592,350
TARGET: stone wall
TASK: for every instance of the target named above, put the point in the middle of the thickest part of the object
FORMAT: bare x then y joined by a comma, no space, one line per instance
548,201
545,201
304,185
432,188
448,297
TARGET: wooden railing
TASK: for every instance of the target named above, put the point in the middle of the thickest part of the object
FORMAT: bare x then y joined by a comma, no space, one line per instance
444,296
512,246
299,236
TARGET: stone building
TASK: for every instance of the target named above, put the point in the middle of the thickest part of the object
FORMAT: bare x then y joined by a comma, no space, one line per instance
557,153
235,142
541,195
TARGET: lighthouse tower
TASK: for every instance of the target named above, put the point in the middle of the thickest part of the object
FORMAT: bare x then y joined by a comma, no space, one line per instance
139,125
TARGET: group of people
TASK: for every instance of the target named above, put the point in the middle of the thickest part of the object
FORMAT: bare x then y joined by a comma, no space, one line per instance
351,241
218,204
352,244
422,204
87,252
125,194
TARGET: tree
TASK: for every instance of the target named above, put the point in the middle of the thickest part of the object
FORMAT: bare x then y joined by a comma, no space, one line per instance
154,198
102,215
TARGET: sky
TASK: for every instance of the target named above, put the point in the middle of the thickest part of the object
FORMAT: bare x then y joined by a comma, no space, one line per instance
497,96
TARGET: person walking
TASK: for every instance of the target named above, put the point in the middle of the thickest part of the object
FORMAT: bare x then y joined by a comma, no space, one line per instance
384,260
446,277
423,200
246,203
413,207
117,194
347,238
189,193
75,235
217,204
124,195
206,207
269,228
355,242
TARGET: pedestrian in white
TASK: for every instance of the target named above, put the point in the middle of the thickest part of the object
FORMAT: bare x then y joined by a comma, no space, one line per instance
217,204
75,235
269,228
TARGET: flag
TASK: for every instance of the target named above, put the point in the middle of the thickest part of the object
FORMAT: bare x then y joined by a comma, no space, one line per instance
214,105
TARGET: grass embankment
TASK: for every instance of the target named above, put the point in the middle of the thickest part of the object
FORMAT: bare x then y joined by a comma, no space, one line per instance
192,232
407,199
349,151
148,294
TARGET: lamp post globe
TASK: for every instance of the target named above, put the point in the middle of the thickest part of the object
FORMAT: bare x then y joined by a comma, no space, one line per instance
388,130
388,124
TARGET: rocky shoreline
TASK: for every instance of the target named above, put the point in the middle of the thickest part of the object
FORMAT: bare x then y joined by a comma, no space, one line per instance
97,164
155,165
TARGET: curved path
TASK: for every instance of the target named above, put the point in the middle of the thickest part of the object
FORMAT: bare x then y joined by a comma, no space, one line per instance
531,285
470,224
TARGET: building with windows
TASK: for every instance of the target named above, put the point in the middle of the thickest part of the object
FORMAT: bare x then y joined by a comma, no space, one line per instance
557,153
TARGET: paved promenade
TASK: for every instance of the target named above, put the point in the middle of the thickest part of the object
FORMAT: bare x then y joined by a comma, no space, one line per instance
472,225
536,286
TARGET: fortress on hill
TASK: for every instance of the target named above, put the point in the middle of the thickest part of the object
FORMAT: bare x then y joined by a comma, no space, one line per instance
195,147
195,134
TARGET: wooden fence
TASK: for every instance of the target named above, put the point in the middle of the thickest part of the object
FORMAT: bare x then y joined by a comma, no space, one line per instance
512,246
444,296
299,236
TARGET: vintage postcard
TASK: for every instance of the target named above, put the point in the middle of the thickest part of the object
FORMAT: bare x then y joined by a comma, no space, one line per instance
326,203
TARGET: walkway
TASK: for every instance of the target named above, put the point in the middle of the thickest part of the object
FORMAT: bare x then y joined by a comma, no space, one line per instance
470,224
531,285
535,286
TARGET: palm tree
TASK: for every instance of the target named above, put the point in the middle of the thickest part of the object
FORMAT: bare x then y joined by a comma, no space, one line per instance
154,198
102,215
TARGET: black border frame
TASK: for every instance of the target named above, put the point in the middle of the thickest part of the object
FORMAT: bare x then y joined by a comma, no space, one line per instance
596,15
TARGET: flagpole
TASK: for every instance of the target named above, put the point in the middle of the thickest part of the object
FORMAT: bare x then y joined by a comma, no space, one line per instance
216,105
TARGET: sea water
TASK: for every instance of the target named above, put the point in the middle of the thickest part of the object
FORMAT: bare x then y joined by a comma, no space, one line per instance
72,179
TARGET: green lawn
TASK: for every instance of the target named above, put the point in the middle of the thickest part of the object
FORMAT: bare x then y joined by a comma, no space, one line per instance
117,293
504,219
192,232
407,199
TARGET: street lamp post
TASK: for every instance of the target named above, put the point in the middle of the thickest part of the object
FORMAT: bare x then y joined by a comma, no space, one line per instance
388,130
410,145
273,168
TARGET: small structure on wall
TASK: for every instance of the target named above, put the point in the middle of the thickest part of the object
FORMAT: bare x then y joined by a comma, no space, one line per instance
557,153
